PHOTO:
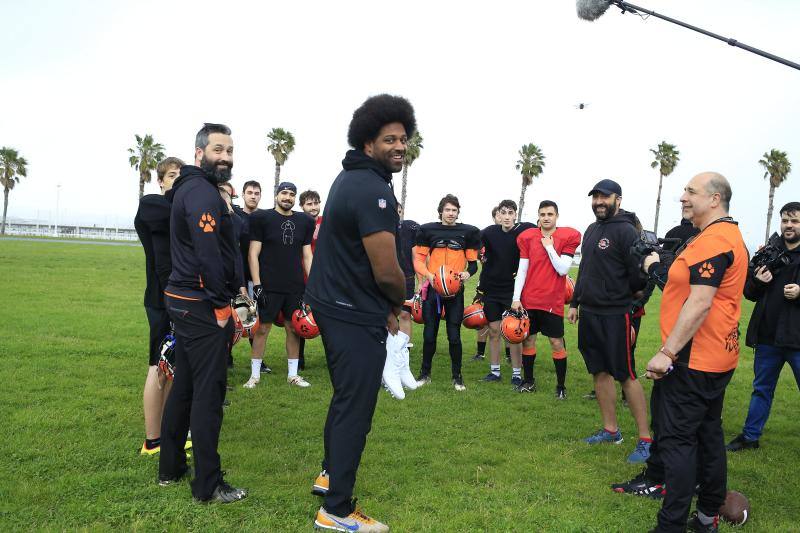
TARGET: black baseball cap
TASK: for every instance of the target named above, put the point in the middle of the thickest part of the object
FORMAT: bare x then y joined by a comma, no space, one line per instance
286,186
607,187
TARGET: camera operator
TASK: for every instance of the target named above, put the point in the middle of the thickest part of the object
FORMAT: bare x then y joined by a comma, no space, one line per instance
774,330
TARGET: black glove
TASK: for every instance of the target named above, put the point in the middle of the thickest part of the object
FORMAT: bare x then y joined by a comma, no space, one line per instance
478,296
259,294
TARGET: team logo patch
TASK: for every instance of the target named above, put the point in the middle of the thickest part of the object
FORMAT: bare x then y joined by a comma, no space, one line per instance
207,222
382,203
706,270
603,243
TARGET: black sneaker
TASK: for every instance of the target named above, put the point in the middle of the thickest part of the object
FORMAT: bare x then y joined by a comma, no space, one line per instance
165,481
561,393
491,377
695,525
527,386
224,493
265,369
590,396
458,383
479,357
740,443
516,381
641,486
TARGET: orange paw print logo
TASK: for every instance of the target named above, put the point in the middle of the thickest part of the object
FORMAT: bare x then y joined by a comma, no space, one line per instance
207,222
706,270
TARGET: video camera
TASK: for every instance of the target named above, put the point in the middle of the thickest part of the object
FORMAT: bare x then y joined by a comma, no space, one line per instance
649,242
773,256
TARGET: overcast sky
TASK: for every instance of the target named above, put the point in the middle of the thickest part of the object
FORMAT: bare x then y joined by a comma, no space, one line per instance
80,78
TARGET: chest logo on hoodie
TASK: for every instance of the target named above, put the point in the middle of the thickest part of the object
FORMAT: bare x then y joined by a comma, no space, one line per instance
603,243
207,222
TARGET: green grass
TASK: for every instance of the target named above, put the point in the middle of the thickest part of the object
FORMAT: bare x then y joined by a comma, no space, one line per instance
72,359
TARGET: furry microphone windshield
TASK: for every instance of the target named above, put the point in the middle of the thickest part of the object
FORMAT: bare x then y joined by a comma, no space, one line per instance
592,9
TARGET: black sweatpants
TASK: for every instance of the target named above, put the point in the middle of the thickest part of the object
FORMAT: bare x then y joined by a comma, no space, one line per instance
432,316
195,402
355,355
689,428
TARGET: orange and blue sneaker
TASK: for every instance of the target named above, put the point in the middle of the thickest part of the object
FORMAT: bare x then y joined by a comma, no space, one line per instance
355,521
321,484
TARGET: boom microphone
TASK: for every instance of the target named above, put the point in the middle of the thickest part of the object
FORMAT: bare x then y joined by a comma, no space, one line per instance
593,9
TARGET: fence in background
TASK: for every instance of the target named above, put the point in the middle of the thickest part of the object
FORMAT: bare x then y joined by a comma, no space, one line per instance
71,232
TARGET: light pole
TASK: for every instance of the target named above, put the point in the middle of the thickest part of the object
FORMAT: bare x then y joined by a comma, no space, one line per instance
58,197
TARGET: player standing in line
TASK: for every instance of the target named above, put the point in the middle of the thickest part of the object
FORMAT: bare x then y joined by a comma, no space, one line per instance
280,258
152,227
500,262
482,335
310,204
406,233
607,278
545,258
455,246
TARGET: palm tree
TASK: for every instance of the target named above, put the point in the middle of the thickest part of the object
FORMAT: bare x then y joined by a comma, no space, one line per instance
776,168
413,149
530,165
12,167
144,158
666,159
280,146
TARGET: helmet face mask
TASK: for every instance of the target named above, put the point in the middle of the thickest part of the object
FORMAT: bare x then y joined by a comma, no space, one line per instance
245,311
166,361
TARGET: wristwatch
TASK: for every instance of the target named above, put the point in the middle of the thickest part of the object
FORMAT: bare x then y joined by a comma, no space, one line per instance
668,353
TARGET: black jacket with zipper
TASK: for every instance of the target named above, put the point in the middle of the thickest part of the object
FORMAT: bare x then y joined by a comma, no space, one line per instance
202,240
608,274
785,313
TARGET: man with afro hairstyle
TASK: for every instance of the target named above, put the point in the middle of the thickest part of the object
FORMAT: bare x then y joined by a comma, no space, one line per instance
356,289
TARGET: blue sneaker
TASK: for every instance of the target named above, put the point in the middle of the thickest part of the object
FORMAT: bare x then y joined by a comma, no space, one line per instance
516,381
604,436
641,453
491,378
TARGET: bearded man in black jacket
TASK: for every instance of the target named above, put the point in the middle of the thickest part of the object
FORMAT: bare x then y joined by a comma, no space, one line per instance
198,300
607,278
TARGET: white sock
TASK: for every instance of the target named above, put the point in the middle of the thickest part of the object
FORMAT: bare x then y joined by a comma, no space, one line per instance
292,367
495,369
255,368
516,372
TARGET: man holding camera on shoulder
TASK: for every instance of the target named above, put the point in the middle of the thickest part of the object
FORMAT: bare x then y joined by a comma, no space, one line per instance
774,329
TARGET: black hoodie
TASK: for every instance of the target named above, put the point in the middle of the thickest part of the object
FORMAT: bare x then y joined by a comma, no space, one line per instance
608,274
202,240
361,202
152,226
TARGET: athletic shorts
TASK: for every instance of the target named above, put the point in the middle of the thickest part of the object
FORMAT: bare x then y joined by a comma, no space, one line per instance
605,343
410,287
273,303
159,327
494,310
548,324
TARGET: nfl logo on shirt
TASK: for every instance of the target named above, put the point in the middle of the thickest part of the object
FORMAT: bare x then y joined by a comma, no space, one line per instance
381,203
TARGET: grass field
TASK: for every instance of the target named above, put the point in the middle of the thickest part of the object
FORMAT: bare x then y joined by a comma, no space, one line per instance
73,360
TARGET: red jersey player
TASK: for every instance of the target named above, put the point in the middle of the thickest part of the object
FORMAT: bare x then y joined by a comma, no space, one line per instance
545,256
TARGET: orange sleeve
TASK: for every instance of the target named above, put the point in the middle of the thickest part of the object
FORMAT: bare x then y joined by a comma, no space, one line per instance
420,258
472,255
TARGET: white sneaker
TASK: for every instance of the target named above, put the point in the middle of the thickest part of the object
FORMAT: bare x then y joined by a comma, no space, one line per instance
298,381
403,369
251,383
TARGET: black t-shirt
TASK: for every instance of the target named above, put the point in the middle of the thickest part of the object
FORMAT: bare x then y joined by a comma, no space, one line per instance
282,239
683,231
774,300
406,232
244,238
501,260
152,226
341,285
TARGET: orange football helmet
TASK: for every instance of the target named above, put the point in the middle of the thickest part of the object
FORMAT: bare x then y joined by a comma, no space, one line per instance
474,317
515,326
569,290
446,282
303,322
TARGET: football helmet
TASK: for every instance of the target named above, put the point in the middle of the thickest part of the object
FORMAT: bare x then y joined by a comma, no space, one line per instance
515,326
414,306
166,359
303,322
474,317
446,282
569,290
